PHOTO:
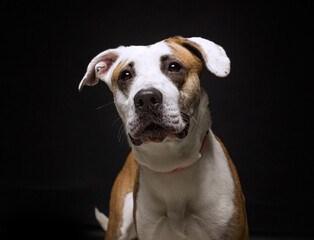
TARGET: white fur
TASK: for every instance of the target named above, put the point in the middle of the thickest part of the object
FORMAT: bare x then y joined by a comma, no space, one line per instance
127,228
102,219
215,57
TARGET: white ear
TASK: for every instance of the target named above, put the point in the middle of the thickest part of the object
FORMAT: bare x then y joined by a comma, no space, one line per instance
215,57
98,68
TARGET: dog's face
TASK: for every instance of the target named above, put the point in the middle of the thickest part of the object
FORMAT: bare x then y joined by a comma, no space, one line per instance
156,88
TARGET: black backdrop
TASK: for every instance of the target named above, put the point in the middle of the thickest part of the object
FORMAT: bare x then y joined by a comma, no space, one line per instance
61,149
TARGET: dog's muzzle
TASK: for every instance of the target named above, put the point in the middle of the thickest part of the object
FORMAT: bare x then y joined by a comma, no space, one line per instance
152,125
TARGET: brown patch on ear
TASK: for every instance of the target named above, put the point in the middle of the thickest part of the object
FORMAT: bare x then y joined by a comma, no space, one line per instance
190,91
187,52
193,47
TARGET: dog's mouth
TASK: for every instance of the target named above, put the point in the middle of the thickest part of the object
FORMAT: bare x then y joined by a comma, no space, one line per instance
157,133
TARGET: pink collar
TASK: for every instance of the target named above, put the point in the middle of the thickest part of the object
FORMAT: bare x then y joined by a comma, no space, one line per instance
181,168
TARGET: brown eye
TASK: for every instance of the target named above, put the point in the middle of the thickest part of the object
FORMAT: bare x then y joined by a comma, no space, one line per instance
126,75
174,67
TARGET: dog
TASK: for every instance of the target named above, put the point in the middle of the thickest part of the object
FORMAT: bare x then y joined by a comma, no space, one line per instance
178,182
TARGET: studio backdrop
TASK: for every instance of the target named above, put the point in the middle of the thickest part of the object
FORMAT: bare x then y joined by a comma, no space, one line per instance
61,149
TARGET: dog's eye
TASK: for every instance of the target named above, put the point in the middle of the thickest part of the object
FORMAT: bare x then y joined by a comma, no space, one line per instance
125,75
174,67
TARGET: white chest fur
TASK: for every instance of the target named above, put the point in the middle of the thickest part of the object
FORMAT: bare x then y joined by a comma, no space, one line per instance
195,203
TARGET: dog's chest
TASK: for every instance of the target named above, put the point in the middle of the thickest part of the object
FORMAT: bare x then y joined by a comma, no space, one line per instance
195,218
199,207
209,224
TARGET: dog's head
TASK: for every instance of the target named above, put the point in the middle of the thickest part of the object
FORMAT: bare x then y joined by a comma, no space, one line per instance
156,88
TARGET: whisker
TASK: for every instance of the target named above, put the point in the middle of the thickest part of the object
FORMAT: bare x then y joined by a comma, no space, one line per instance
105,105
119,132
194,119
121,135
185,116
114,122
123,138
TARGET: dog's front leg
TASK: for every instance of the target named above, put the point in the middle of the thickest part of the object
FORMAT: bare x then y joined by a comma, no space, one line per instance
159,229
120,225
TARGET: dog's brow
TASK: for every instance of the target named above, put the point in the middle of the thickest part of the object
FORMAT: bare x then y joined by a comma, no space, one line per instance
131,64
164,58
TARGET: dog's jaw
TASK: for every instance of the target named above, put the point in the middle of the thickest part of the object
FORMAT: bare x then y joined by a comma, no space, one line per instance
156,133
175,152
157,126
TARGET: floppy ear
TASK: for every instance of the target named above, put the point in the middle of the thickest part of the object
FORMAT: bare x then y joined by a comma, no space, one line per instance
99,67
213,55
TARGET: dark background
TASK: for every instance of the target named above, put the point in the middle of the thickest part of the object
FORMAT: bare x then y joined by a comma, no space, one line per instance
61,149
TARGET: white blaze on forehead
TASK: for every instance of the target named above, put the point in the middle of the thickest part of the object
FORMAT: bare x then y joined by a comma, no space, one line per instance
146,61
150,74
142,54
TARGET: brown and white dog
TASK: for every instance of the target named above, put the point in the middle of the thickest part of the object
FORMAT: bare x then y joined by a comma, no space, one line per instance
179,181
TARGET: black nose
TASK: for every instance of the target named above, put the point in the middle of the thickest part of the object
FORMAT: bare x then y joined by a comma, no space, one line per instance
148,100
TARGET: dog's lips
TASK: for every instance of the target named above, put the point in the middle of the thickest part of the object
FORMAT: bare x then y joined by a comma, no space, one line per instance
184,132
157,133
136,142
151,133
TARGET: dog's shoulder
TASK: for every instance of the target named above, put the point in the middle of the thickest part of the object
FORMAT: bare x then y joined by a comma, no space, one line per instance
120,197
238,223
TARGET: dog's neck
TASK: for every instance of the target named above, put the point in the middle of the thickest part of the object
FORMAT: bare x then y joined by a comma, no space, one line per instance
174,154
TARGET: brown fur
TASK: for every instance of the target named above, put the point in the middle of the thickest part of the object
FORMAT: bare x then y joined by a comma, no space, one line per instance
193,47
123,86
123,185
135,191
190,92
117,70
238,226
